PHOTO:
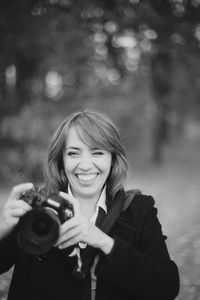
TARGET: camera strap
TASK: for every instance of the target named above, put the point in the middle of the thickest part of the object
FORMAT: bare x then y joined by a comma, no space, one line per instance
105,223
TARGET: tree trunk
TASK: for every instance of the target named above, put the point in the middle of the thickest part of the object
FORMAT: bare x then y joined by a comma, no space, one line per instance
161,71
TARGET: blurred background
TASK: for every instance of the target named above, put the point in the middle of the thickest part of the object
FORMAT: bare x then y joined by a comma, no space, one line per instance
136,60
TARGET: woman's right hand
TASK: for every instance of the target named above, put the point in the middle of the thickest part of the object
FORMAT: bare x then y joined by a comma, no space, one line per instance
13,209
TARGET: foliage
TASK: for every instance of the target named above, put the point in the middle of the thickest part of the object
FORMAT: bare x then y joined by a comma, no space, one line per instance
58,56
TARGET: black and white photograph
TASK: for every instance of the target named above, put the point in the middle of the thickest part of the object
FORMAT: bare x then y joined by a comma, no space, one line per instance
100,150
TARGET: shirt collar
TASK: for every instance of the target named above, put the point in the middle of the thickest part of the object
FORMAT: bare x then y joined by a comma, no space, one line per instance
102,199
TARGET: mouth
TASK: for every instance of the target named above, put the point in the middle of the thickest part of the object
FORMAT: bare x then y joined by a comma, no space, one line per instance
87,178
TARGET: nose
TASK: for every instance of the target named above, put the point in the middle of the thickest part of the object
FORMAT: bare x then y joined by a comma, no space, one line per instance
86,162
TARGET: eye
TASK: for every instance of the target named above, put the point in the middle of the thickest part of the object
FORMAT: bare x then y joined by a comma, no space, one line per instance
98,152
72,153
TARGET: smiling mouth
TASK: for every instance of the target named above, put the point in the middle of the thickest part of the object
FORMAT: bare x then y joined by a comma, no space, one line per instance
87,177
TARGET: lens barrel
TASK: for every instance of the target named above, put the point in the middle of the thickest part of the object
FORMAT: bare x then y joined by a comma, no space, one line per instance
38,230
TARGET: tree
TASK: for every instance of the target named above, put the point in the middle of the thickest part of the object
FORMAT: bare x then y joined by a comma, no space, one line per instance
89,46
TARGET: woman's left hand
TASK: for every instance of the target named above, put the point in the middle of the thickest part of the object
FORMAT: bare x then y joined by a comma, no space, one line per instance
80,229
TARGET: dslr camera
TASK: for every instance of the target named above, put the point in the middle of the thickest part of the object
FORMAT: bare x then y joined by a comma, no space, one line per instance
38,229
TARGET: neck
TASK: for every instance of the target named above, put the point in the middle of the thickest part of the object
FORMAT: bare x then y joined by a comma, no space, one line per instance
87,208
88,205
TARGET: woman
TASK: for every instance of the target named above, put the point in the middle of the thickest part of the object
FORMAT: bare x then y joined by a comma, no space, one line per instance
129,260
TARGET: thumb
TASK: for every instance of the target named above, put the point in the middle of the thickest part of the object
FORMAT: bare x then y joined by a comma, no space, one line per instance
72,200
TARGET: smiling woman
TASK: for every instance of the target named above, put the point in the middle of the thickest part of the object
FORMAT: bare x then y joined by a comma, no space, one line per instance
86,135
86,168
111,247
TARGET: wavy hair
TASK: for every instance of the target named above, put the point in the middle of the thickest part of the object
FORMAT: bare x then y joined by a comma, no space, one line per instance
95,130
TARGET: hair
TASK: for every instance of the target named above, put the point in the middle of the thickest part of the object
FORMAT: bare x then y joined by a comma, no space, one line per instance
95,130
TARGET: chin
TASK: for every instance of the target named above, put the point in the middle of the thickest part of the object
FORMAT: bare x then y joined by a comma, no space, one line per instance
89,194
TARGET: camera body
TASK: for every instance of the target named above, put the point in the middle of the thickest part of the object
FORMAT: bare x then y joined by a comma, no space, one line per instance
38,229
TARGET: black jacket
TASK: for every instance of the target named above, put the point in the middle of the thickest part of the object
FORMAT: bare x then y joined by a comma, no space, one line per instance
138,268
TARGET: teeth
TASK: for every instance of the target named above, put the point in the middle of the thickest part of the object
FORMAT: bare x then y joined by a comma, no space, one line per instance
86,177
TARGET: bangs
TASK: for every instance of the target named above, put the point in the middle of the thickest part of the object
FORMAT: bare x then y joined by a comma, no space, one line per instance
92,134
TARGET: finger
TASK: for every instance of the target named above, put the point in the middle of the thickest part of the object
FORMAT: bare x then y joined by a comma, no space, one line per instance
73,241
13,222
68,235
72,200
69,224
20,204
18,212
18,189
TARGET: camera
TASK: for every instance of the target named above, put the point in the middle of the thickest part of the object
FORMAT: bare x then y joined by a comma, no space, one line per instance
38,229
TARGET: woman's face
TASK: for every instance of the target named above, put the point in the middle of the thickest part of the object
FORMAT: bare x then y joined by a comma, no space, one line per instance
86,168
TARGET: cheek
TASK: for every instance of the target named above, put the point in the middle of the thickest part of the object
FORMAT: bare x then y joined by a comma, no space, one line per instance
68,165
106,165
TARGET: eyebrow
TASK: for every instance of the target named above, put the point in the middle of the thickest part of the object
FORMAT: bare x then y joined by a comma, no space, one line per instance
72,147
97,148
77,148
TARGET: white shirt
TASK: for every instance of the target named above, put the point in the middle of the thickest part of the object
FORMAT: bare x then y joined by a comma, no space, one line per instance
101,203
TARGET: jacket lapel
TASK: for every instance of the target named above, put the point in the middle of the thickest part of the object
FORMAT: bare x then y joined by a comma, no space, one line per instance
124,228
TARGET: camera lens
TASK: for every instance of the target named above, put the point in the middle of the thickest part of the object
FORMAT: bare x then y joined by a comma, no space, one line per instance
38,230
41,226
